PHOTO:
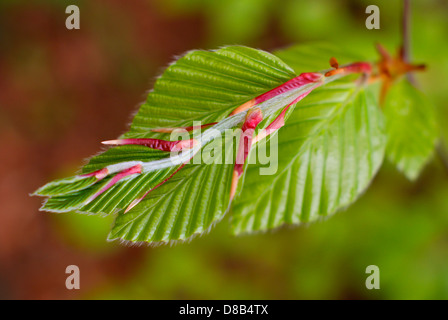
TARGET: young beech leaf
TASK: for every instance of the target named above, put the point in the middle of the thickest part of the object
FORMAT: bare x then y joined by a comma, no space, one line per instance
411,128
160,195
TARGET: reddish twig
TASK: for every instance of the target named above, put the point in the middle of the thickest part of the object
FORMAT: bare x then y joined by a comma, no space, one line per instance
406,45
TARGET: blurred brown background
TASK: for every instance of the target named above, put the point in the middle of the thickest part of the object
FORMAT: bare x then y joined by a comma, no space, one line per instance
63,91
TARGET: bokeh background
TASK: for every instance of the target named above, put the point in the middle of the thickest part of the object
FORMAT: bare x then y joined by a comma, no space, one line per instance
63,91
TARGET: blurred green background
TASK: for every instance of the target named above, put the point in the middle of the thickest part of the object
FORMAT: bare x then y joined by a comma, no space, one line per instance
62,91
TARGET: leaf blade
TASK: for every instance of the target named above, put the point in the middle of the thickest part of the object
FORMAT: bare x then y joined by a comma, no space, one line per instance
411,127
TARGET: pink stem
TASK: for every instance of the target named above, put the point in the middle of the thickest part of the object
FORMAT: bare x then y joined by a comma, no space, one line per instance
357,67
99,174
164,145
280,120
132,170
301,80
252,120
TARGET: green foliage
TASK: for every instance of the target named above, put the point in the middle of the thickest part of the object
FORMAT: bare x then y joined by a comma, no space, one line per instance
411,127
329,150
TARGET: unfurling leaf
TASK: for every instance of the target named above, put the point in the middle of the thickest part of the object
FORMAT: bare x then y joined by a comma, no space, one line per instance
323,124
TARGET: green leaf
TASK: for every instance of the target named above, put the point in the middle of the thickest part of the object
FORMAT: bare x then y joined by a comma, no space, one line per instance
411,128
329,151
